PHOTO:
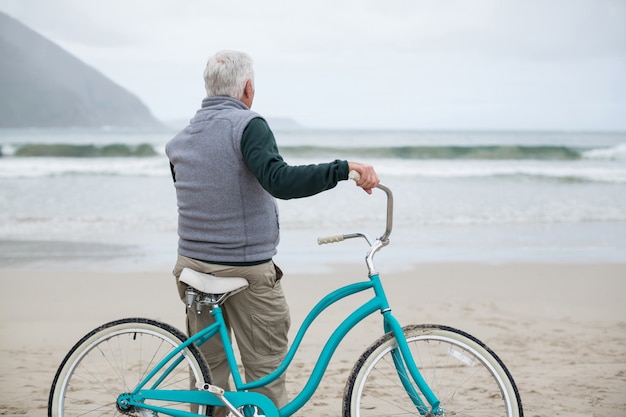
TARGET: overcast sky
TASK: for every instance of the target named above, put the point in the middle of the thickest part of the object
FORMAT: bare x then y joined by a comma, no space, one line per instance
425,64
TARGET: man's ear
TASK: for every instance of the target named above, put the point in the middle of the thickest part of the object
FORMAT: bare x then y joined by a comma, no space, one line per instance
248,89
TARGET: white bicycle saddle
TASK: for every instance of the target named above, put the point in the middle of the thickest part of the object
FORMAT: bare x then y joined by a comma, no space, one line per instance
210,284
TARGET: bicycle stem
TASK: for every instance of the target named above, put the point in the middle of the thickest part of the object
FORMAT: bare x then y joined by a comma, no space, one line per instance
381,242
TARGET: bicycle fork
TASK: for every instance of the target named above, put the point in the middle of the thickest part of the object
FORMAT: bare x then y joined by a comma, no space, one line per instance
408,372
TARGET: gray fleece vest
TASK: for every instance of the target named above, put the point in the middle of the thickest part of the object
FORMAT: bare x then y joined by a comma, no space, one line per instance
224,214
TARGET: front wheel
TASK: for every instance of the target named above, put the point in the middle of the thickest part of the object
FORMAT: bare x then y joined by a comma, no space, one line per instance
465,375
113,359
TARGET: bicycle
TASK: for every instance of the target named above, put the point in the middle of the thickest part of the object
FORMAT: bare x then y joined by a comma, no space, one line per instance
142,367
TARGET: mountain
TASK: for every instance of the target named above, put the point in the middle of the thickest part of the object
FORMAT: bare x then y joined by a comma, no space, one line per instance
42,85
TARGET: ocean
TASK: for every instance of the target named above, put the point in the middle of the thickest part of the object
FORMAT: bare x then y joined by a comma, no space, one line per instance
105,198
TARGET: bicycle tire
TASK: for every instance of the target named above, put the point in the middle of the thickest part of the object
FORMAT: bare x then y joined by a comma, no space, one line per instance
112,359
466,376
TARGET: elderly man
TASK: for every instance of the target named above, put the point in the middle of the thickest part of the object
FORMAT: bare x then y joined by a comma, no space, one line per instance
227,173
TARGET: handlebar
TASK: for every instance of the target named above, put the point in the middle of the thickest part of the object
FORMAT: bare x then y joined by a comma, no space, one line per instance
380,242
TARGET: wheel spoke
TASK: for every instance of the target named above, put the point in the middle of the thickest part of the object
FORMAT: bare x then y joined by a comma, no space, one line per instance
113,359
466,377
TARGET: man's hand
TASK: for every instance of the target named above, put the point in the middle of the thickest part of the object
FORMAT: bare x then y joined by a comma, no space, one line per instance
369,179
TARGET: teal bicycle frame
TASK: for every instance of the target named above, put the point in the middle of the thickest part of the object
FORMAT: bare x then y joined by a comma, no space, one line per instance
408,373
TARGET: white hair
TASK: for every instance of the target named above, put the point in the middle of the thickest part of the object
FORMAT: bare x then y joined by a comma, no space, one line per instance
226,74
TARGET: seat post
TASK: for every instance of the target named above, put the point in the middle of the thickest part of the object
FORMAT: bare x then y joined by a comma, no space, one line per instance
200,299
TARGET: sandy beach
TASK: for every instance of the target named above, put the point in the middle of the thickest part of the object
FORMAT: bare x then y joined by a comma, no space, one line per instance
560,329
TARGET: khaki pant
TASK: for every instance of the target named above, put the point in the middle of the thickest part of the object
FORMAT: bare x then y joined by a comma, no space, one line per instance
258,316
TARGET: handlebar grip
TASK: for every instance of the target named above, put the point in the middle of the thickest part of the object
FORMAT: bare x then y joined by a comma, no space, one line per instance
354,175
329,239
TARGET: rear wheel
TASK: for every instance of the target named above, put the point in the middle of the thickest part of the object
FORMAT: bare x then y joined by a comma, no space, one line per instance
466,376
113,359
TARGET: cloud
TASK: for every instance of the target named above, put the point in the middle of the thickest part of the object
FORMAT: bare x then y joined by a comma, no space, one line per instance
69,21
429,63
